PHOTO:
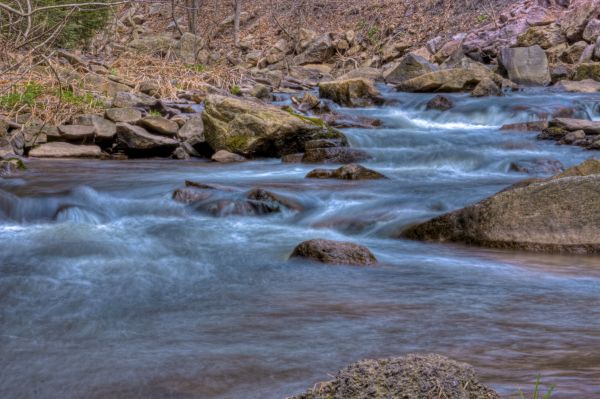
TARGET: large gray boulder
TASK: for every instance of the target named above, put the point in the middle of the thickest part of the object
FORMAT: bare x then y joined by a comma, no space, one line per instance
526,65
252,128
414,376
555,215
408,67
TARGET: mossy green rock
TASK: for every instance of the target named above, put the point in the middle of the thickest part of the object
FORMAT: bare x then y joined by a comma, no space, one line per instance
545,36
589,70
251,128
556,215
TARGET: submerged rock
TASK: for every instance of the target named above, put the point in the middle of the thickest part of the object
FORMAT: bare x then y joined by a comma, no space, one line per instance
227,201
11,166
414,376
334,252
556,215
346,172
343,155
440,103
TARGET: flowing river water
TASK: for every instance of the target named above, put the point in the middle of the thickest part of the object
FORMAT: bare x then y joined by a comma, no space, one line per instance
109,289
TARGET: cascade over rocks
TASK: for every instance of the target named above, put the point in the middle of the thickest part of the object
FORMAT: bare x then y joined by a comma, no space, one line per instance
555,215
254,129
414,376
334,252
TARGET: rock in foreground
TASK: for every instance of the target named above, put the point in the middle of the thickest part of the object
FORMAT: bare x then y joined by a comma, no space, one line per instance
334,252
556,215
414,376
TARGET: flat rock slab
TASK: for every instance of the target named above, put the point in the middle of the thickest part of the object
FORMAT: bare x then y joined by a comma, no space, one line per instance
160,125
77,132
65,150
126,115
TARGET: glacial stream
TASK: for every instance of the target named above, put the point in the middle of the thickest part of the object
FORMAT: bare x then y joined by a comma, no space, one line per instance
109,289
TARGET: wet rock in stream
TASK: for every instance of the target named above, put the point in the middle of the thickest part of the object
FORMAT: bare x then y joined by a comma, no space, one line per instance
224,201
334,252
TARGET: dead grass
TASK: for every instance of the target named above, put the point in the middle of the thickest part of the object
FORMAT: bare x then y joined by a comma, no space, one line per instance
172,75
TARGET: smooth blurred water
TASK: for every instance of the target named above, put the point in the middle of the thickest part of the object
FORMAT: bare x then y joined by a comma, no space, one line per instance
109,289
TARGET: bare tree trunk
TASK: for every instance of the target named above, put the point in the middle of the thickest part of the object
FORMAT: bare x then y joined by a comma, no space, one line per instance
236,22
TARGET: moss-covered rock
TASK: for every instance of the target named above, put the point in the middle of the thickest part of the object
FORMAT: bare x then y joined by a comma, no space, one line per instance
254,129
414,376
544,36
589,70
